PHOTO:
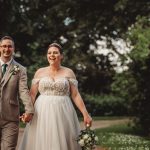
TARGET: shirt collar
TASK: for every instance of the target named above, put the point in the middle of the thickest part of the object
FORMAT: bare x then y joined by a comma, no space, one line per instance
1,62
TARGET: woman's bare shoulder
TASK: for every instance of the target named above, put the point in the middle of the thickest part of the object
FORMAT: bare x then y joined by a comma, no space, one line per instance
69,72
40,72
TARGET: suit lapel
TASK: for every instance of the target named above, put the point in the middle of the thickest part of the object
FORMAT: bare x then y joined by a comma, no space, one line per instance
8,73
0,73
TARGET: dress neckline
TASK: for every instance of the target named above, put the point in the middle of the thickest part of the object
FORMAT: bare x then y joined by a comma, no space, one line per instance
57,78
54,79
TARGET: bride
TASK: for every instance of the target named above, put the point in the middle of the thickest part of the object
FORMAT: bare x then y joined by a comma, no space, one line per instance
55,125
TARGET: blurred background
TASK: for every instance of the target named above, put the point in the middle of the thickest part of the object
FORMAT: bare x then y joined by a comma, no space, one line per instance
105,42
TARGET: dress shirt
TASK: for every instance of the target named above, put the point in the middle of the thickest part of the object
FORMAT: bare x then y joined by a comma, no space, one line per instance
2,63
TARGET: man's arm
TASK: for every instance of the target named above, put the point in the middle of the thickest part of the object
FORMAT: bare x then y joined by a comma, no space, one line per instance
25,96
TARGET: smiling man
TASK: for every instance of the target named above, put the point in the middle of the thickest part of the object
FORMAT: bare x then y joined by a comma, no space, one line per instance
13,86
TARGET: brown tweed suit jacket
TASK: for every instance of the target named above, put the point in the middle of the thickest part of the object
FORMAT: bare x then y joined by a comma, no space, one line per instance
13,87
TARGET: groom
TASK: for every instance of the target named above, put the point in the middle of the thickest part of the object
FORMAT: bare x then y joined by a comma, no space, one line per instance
13,86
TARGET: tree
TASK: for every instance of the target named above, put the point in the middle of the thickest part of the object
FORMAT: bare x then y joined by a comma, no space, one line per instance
140,35
76,25
133,84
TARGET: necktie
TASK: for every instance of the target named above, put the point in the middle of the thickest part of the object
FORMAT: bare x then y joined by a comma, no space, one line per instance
4,69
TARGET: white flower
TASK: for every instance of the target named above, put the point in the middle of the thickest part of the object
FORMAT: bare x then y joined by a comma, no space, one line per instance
15,70
85,136
81,142
96,138
87,139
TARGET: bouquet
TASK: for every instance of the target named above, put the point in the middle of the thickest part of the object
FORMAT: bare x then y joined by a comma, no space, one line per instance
87,139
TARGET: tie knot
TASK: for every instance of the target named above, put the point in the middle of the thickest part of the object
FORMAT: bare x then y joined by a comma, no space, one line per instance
4,65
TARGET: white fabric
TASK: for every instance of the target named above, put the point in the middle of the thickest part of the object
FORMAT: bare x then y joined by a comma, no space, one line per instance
1,62
73,81
35,81
55,125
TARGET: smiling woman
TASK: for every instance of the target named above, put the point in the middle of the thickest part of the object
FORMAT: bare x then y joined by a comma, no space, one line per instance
54,54
55,125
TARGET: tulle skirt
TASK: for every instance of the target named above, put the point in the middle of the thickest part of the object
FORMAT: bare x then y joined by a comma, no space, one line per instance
54,126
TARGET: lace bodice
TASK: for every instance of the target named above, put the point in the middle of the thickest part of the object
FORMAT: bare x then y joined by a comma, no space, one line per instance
59,86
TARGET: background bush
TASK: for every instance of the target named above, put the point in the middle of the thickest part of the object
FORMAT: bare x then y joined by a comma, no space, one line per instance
105,105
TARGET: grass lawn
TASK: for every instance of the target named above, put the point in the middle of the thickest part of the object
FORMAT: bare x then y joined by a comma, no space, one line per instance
122,137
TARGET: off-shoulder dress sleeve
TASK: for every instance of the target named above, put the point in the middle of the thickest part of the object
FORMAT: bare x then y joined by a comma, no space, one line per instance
35,81
73,82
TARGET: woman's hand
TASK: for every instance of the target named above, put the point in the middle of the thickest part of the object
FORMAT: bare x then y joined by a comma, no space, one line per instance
87,120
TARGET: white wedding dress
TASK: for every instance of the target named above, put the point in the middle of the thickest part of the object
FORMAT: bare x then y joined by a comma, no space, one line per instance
55,125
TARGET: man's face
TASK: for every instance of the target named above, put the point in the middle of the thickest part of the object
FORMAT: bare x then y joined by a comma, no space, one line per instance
6,49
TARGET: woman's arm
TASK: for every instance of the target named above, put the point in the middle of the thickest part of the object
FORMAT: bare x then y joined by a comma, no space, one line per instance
34,86
33,92
77,99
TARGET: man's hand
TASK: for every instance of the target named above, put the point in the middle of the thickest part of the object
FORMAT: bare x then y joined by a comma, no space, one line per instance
26,117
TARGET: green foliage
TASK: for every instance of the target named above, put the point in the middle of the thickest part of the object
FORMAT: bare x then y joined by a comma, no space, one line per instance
95,77
105,105
133,84
125,86
139,35
140,69
76,25
121,137
22,125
